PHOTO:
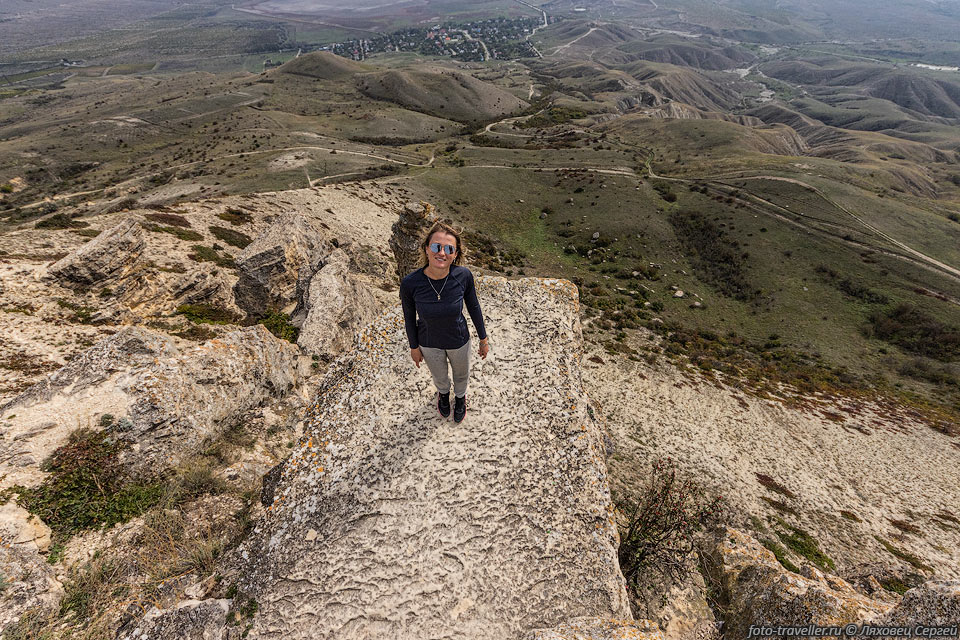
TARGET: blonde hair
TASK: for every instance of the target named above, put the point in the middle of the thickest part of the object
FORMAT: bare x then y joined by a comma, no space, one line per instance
425,242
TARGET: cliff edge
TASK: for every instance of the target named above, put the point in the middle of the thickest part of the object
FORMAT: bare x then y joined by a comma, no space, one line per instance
389,521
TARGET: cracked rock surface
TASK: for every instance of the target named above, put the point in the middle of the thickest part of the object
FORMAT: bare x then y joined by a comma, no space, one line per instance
166,396
389,521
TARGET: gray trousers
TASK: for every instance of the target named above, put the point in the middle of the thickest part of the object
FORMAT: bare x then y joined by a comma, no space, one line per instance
459,359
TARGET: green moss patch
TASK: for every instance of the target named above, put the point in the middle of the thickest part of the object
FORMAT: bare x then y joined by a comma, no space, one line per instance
87,488
231,237
805,545
182,234
781,555
209,254
279,325
206,314
906,556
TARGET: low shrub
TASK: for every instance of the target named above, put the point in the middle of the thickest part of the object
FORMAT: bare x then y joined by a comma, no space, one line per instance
231,237
87,487
913,330
660,523
206,314
279,325
186,235
60,221
235,216
209,254
171,219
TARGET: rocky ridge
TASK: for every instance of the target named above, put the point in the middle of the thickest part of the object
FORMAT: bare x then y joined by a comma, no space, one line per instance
386,521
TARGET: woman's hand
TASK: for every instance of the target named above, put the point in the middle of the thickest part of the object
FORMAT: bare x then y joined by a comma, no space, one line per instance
417,356
484,349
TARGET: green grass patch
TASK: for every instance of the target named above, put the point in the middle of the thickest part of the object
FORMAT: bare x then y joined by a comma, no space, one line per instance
186,235
231,237
206,314
279,325
88,488
781,555
805,545
209,254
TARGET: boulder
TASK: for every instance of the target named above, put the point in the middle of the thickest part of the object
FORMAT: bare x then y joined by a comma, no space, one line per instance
757,590
163,398
147,292
408,231
334,307
188,620
28,585
389,521
112,254
269,266
20,528
674,597
934,603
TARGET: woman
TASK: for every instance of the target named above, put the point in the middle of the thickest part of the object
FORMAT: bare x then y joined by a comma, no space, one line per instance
437,292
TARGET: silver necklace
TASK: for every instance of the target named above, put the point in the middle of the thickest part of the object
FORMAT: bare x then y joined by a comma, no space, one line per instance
441,286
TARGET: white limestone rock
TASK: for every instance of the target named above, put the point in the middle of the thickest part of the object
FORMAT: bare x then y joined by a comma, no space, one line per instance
165,396
391,522
334,307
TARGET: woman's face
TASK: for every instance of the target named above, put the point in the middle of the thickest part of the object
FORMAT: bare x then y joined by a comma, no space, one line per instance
441,261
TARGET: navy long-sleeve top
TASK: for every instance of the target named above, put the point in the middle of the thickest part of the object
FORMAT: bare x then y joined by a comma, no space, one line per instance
441,324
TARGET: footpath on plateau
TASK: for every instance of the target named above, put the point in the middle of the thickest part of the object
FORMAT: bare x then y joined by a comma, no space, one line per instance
389,521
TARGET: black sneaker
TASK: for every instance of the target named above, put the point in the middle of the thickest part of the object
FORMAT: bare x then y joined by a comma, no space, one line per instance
443,403
459,408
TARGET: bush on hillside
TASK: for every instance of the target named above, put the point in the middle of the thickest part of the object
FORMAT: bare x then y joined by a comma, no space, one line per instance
913,330
662,520
718,260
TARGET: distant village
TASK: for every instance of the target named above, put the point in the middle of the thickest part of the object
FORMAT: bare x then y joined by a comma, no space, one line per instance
476,41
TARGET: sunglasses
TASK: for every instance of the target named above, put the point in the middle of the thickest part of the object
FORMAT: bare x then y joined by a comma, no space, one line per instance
449,249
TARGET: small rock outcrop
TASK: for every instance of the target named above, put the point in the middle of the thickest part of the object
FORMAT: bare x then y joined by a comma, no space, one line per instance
934,603
268,267
598,629
29,585
112,254
757,590
188,620
414,221
149,293
333,307
165,399
388,521
19,528
674,597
